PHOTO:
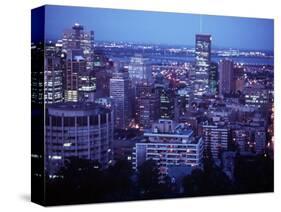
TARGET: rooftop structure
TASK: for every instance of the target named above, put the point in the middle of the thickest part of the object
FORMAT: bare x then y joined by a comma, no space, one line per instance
169,144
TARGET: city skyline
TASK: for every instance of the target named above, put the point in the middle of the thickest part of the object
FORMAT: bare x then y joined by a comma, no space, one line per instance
164,27
121,122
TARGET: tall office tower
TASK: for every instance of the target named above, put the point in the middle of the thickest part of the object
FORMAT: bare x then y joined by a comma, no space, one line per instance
213,78
37,73
226,77
53,74
147,105
139,69
75,65
120,93
216,139
202,66
63,55
170,145
77,38
141,89
167,104
77,130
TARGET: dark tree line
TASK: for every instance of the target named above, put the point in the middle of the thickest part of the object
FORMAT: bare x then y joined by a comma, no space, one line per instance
151,184
84,181
252,174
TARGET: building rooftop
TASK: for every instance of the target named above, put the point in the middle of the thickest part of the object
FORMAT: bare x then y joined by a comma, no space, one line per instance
169,128
76,108
179,133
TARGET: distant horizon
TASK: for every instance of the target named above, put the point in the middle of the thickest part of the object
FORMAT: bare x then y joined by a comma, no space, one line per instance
173,45
164,28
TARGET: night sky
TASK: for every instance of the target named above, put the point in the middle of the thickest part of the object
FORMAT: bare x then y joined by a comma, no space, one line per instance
161,28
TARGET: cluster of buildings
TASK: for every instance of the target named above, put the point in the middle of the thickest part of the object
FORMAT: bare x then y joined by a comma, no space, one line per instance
75,125
215,110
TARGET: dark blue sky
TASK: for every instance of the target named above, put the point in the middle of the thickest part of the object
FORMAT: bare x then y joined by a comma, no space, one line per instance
161,28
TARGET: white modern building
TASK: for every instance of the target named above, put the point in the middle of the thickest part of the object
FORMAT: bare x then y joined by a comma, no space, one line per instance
169,144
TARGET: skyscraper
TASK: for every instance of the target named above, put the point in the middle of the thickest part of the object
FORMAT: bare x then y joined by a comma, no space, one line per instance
119,92
53,74
79,39
226,77
202,64
80,80
75,65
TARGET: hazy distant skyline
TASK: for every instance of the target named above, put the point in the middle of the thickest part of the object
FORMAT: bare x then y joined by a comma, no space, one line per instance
161,27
